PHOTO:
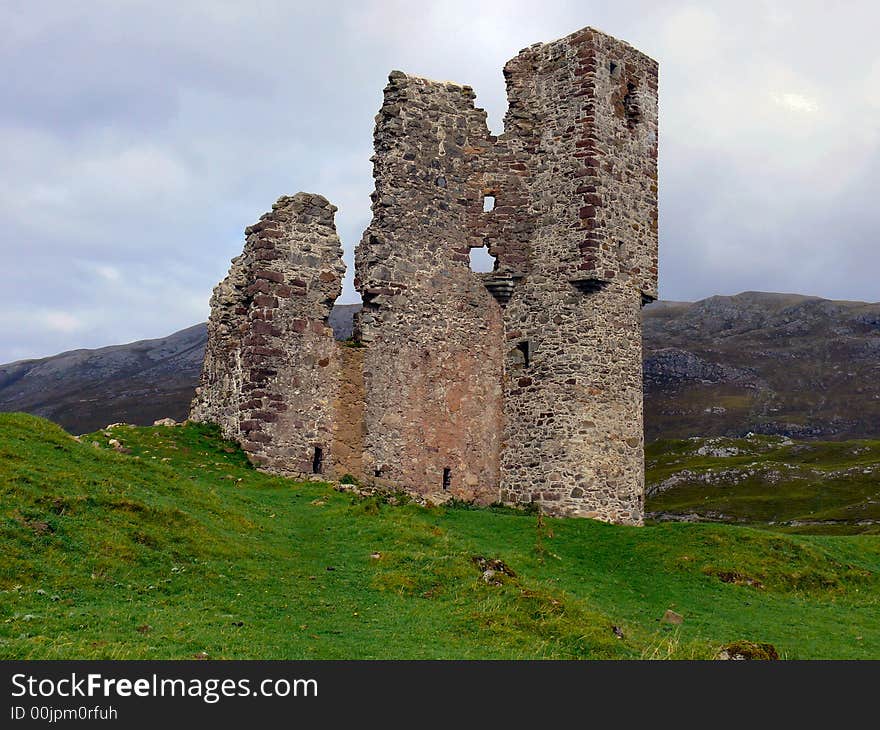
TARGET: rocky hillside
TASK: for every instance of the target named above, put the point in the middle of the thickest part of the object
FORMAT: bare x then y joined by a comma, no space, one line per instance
725,366
86,389
817,487
767,363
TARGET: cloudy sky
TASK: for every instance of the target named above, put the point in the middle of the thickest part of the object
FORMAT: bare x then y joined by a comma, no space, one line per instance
140,138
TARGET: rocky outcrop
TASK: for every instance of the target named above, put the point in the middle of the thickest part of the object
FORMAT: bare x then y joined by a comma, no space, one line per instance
671,366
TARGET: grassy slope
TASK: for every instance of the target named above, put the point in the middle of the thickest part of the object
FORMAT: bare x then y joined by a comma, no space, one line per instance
180,548
823,488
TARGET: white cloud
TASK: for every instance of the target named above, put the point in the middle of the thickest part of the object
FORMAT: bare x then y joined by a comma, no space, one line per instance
871,86
693,35
797,102
56,321
109,273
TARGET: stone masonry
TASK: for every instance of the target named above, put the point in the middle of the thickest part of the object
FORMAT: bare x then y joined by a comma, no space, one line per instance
271,364
433,366
521,385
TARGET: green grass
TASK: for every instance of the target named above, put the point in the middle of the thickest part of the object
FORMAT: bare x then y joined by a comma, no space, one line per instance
179,549
806,487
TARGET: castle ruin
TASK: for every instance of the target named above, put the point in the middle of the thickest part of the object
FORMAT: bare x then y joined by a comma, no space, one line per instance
521,385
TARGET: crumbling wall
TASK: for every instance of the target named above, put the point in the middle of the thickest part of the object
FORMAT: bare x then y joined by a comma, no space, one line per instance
270,377
574,233
433,333
219,393
524,383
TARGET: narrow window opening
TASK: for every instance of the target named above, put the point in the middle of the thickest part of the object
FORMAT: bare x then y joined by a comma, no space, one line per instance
524,349
488,203
612,67
631,105
481,261
318,461
378,472
447,479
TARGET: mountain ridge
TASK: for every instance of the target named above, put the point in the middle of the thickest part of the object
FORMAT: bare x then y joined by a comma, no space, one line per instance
786,364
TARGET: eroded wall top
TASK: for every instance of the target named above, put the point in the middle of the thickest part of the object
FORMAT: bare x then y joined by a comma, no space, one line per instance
583,109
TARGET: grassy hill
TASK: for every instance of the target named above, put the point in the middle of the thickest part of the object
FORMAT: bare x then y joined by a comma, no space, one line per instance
792,486
173,547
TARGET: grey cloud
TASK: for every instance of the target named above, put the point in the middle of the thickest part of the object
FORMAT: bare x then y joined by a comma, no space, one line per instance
141,138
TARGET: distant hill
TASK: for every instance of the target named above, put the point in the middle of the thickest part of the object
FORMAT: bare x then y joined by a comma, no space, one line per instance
768,363
725,366
86,389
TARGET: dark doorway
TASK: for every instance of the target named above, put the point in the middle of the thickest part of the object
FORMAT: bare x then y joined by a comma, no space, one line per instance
318,461
447,479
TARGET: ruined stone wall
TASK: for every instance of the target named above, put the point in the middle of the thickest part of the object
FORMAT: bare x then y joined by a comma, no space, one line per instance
270,377
524,383
219,393
433,333
574,233
584,108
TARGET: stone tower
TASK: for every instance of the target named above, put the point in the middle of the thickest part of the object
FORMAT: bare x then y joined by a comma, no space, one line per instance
523,384
583,120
